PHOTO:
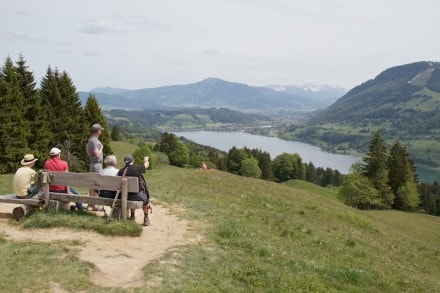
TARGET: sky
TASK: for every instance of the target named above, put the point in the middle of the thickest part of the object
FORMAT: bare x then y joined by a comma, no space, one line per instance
135,44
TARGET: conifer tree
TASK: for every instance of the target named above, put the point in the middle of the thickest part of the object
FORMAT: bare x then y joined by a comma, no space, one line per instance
402,179
40,135
93,114
265,164
14,128
234,158
66,117
375,169
115,134
310,173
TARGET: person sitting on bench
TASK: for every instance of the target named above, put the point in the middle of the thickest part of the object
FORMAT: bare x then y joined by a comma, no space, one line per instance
24,178
109,170
56,164
131,170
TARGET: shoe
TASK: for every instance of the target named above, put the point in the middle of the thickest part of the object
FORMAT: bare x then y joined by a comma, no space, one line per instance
98,209
146,222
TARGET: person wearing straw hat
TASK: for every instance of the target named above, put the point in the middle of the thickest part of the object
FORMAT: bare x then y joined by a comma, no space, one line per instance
24,178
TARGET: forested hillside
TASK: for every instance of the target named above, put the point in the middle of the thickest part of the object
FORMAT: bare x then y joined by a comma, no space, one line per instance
403,102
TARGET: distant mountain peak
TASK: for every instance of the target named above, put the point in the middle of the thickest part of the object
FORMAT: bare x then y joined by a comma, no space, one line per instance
318,92
108,90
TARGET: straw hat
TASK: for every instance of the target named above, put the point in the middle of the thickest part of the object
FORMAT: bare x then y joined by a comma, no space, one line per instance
28,159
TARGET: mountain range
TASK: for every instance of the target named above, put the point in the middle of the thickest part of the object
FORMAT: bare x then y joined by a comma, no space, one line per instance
213,92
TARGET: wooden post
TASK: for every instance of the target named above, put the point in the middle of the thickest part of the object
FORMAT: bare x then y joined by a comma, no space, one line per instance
46,195
124,195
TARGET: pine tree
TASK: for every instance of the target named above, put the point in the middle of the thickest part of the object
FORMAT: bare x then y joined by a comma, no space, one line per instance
265,164
310,173
115,134
234,158
402,179
93,114
14,128
35,114
65,117
375,169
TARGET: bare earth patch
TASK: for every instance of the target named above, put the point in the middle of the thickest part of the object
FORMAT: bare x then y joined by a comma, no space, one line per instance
111,255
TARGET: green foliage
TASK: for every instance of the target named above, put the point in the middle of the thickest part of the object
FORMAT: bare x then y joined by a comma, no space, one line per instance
234,159
365,187
66,117
139,155
249,168
179,155
359,192
14,129
115,134
409,196
287,166
430,198
40,136
375,169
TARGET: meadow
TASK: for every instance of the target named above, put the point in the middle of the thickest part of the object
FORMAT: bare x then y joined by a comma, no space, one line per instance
258,236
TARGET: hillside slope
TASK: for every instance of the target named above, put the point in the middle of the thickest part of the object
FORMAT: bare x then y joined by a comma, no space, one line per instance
406,97
264,236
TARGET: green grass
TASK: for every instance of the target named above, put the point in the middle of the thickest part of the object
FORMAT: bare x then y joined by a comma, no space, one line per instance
262,236
81,221
33,266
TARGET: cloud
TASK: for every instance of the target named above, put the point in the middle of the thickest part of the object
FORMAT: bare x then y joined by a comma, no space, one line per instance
145,24
25,36
210,52
92,53
99,27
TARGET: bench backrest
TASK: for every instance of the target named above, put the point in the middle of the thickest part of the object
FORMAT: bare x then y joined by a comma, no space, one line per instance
93,180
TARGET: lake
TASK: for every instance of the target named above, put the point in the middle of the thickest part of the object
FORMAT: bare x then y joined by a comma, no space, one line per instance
224,141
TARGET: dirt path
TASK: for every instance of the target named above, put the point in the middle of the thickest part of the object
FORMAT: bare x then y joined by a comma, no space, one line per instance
111,254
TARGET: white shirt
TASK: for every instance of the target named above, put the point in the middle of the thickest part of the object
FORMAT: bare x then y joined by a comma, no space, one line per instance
110,171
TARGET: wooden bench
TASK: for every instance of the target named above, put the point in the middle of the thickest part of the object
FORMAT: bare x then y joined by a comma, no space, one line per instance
84,180
18,212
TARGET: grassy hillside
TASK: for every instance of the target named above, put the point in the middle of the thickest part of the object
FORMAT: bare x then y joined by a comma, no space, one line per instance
261,236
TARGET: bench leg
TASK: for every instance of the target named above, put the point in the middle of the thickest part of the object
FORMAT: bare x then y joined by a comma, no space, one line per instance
18,213
117,213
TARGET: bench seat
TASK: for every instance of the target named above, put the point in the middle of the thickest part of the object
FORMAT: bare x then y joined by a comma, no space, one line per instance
63,197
